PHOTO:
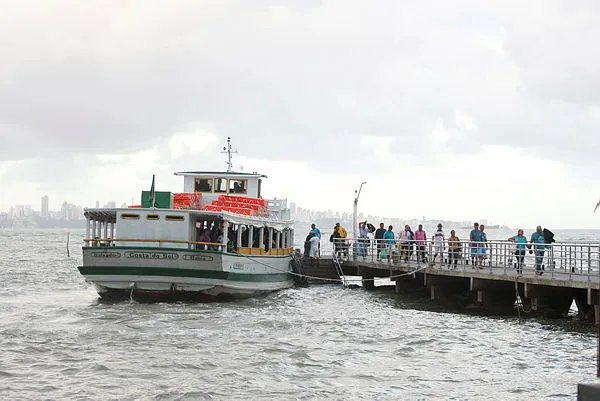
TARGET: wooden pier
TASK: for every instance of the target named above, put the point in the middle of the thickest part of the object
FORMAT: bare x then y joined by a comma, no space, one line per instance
571,273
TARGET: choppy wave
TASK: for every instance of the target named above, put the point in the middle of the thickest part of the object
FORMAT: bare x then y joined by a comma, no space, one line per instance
324,342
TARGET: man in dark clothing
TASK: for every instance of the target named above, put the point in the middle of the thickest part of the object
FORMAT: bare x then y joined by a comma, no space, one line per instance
379,240
336,238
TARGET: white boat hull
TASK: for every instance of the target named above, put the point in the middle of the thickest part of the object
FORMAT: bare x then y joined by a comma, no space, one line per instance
182,273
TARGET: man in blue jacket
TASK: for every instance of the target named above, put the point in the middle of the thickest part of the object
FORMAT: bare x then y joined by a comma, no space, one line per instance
537,238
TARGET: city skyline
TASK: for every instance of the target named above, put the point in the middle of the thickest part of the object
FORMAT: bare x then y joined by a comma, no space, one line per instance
70,211
67,210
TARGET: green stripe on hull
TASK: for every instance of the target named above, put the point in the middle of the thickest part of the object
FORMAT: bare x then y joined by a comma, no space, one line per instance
175,272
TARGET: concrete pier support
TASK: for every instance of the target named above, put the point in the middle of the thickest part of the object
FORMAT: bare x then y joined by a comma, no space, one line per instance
409,284
549,301
367,279
453,290
585,309
495,296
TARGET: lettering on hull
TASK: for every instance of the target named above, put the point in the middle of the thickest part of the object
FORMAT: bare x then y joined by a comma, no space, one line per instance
106,254
152,255
238,266
198,258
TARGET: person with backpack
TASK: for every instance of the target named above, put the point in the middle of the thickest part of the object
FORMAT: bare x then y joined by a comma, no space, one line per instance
539,241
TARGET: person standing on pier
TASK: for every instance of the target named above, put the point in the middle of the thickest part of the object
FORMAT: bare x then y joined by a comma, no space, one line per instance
314,247
388,236
315,229
307,245
438,243
475,238
379,240
337,243
363,240
521,241
454,249
404,238
538,239
411,242
484,245
420,238
343,235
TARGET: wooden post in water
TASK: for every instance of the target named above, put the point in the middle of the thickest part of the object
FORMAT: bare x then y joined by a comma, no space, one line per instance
68,255
597,320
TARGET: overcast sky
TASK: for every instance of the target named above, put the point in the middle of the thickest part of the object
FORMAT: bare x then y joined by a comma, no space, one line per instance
456,110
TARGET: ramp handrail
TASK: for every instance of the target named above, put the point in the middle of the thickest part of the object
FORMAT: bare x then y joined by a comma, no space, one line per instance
574,258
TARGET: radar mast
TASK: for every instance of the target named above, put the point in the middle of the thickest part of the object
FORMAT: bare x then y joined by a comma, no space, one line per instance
229,150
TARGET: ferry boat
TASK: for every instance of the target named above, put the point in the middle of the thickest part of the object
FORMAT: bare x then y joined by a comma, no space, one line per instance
219,237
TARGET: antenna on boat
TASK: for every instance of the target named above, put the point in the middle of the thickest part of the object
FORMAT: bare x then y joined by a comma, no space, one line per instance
229,150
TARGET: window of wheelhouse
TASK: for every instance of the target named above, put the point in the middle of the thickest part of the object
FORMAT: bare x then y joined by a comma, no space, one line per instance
238,186
203,185
221,185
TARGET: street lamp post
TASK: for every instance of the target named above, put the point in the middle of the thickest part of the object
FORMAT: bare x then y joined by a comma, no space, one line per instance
355,219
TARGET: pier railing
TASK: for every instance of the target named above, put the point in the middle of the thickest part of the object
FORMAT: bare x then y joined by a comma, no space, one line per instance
564,258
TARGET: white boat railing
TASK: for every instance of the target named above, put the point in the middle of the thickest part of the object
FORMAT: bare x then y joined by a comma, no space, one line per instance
110,242
564,258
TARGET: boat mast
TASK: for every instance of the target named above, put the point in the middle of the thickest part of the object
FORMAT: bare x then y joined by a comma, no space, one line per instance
229,150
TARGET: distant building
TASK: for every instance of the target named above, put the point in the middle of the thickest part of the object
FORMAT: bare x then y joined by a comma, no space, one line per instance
45,207
69,211
20,212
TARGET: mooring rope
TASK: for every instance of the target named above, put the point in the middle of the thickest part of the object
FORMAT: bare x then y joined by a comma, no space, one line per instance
334,279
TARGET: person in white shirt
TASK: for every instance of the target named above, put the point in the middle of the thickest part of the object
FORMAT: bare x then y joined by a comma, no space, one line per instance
314,247
438,243
404,238
363,241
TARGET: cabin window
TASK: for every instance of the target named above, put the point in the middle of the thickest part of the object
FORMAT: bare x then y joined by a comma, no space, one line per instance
238,186
203,185
130,216
152,217
220,184
171,217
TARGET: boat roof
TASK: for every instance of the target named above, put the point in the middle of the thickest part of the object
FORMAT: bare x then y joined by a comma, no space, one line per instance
219,173
110,215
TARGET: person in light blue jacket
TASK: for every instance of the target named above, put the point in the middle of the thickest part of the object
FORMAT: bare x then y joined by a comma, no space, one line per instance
539,247
388,237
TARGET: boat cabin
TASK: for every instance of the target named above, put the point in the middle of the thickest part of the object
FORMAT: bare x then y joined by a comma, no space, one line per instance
189,229
221,202
213,184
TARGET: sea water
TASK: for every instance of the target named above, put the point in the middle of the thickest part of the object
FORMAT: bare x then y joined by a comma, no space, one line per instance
58,341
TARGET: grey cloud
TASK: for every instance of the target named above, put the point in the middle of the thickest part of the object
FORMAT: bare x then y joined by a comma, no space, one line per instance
311,78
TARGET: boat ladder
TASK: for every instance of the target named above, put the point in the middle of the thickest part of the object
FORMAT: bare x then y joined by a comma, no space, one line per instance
338,269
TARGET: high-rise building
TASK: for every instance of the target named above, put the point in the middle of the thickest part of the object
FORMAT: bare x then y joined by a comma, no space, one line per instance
45,207
65,211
